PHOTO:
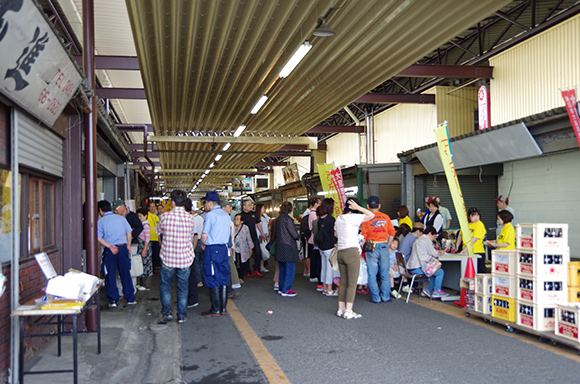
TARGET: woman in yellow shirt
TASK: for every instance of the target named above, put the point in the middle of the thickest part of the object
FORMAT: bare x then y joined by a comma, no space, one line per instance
507,236
403,213
477,229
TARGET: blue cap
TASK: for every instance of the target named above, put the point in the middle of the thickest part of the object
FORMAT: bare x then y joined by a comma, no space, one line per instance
373,201
212,196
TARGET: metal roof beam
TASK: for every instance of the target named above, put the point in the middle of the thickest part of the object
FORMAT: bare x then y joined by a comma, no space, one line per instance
130,63
448,71
271,164
395,98
121,93
310,142
337,129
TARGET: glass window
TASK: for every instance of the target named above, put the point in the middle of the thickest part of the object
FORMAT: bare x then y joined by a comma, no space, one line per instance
41,222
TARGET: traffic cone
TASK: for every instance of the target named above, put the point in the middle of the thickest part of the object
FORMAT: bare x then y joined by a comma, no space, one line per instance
469,274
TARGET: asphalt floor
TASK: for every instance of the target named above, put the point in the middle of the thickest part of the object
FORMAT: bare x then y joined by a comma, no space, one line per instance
269,338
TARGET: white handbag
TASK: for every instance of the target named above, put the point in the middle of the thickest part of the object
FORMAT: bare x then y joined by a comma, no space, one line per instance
136,265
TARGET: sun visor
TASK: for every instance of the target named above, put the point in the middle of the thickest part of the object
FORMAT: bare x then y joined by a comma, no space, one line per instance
497,146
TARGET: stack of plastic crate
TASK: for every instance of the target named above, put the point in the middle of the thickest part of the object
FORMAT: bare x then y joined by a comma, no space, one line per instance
503,284
483,288
574,281
542,273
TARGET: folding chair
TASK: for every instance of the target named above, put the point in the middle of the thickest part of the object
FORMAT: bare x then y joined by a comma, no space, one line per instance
419,278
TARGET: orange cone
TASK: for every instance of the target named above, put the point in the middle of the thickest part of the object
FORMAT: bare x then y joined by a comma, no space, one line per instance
469,274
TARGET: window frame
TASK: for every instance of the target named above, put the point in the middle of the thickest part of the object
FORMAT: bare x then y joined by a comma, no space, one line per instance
51,244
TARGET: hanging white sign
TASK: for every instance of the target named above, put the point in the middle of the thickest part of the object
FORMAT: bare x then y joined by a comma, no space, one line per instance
35,70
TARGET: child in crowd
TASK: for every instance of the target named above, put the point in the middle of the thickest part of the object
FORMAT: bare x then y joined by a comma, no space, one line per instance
394,270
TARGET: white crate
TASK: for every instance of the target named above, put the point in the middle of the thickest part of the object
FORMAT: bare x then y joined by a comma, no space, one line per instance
542,235
567,317
549,263
483,304
483,283
504,286
535,316
503,261
540,290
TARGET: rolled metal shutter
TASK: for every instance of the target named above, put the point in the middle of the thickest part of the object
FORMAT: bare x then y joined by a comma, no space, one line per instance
390,198
38,147
476,193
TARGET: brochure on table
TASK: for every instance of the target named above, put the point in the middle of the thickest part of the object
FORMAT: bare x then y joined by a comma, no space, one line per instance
74,285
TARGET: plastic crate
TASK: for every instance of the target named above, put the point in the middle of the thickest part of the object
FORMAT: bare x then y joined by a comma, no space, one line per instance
542,235
503,308
504,286
540,290
535,316
574,274
549,263
483,283
567,317
504,261
573,294
483,304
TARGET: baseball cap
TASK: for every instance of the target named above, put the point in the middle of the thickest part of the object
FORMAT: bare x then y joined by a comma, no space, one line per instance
418,225
117,203
212,196
429,200
226,203
373,201
500,198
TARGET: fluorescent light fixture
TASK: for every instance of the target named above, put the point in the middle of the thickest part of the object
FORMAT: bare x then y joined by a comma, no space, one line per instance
240,129
218,157
204,175
206,172
211,165
295,59
227,146
258,105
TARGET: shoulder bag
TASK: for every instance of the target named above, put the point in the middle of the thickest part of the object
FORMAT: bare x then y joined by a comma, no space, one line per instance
430,267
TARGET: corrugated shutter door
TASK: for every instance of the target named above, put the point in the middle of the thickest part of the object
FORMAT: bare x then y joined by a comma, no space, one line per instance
476,193
390,198
38,147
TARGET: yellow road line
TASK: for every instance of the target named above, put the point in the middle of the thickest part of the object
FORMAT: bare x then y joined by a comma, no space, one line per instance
459,313
271,369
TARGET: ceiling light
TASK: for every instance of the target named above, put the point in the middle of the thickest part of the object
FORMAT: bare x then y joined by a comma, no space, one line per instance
218,157
206,172
323,30
240,129
258,105
204,175
211,165
225,148
295,59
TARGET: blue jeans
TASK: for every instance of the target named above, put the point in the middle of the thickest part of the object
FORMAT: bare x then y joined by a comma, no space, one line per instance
378,261
122,261
435,280
198,262
166,277
286,278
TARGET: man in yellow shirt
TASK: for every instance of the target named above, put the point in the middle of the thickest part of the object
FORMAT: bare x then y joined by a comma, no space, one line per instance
153,220
380,232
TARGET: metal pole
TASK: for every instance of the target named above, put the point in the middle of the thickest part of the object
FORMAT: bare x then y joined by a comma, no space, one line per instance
90,151
15,344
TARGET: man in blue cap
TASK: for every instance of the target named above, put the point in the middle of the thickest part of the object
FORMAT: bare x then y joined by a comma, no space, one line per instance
214,241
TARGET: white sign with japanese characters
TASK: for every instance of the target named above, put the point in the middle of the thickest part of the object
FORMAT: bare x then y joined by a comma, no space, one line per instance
35,70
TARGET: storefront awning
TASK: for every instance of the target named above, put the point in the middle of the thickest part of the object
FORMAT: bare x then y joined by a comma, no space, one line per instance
514,142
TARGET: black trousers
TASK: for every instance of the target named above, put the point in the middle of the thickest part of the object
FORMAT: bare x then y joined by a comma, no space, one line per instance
257,254
192,294
315,262
155,248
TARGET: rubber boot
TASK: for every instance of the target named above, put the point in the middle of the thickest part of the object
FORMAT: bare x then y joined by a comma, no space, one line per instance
214,297
223,299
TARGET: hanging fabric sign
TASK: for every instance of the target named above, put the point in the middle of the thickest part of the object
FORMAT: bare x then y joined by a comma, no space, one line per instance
572,108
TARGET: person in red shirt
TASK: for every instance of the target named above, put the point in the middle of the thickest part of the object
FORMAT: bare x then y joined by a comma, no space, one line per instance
380,232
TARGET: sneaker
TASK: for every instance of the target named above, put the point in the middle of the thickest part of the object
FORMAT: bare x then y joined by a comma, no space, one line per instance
334,292
339,313
320,288
264,270
249,275
396,294
192,305
313,280
426,293
276,287
289,293
306,274
406,288
167,317
140,288
258,274
181,320
113,305
439,294
351,315
132,302
233,294
200,284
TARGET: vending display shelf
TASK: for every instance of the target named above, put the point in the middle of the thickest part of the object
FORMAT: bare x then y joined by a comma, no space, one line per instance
544,336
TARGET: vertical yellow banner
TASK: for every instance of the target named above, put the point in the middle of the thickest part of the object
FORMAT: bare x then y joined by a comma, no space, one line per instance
325,174
447,160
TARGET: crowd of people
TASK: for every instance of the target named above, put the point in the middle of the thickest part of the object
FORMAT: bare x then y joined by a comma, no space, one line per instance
356,252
